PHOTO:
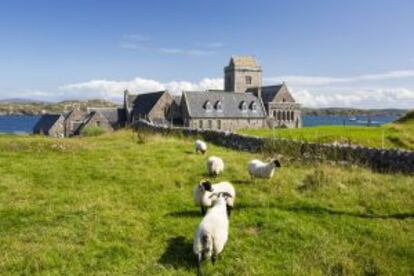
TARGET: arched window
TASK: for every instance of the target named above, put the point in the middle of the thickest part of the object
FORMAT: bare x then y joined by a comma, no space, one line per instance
274,113
208,106
243,106
253,106
284,115
218,106
292,115
279,115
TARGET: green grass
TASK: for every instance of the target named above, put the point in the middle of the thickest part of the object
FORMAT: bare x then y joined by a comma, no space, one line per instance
395,135
115,205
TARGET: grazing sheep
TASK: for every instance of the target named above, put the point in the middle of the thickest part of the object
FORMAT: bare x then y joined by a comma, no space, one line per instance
205,193
260,169
212,233
200,146
215,165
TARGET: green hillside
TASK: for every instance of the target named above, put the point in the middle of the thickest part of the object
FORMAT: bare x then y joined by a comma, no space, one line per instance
119,205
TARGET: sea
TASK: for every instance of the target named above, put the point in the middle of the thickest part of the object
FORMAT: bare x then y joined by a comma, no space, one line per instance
23,124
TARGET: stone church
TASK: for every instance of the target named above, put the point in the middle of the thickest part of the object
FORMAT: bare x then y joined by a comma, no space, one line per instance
244,103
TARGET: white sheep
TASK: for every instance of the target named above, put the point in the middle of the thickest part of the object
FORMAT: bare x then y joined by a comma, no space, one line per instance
212,233
205,194
200,146
215,165
260,169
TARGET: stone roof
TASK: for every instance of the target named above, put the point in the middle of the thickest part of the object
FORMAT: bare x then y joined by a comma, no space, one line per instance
198,104
144,103
46,122
243,61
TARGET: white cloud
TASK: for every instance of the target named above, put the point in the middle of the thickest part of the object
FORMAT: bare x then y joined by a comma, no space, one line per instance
325,80
113,90
398,97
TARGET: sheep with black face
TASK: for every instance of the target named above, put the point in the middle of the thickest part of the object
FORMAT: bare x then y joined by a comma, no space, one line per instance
205,194
213,231
261,169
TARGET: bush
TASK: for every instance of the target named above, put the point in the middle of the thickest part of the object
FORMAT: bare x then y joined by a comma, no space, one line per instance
92,131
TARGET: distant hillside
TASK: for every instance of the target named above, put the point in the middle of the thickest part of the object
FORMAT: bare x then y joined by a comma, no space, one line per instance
351,111
37,108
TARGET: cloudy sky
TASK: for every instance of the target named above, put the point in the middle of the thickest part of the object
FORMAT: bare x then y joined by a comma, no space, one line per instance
330,53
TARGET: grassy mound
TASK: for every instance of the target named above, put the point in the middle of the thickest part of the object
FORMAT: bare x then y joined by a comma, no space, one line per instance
116,205
407,118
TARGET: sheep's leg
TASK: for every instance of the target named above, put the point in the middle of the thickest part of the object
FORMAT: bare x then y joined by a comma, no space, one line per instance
199,259
203,210
213,259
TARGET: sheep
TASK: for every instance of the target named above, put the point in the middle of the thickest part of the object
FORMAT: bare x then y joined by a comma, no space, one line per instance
204,194
212,232
260,169
200,146
215,165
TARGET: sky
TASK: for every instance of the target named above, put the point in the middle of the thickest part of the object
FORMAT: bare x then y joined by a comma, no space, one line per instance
330,53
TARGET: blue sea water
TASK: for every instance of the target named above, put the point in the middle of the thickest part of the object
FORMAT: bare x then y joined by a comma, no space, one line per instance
17,124
25,124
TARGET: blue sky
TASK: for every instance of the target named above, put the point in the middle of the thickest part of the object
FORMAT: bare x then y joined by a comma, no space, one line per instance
330,53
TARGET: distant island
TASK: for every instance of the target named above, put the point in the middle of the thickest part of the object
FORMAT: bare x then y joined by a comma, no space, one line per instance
32,107
29,107
352,111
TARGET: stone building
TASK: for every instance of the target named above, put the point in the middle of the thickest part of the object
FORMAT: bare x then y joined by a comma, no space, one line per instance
222,111
74,122
244,103
244,75
50,125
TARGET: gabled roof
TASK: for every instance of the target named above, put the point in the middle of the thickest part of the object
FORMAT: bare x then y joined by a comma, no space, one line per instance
230,105
276,93
243,61
46,122
113,115
144,103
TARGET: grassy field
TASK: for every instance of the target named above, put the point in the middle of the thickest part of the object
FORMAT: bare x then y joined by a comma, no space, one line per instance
395,135
115,204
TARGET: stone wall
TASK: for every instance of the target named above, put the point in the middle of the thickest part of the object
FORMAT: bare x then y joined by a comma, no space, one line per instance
383,160
226,124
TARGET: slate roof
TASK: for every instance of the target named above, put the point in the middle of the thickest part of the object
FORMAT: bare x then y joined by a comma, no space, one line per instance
114,115
269,93
196,103
144,103
243,61
46,122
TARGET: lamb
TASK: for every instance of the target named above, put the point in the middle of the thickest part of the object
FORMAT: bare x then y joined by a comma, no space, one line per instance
215,165
200,146
260,169
205,194
212,233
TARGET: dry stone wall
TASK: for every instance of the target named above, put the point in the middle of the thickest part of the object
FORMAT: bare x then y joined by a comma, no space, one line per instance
383,160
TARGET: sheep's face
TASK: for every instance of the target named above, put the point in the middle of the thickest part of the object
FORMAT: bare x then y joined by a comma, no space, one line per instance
206,186
277,163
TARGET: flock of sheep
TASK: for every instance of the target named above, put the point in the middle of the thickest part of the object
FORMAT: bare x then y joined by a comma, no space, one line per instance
212,232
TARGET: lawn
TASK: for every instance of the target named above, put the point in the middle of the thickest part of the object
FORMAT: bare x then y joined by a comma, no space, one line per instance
116,205
389,136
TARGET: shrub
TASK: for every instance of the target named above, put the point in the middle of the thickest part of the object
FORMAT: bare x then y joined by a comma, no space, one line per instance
92,131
